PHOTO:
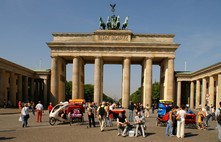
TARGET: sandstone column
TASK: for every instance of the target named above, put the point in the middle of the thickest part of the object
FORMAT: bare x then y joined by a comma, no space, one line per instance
162,80
81,78
170,79
197,94
192,95
20,95
102,79
45,86
126,83
2,86
211,91
147,85
218,94
97,79
13,89
179,93
54,80
203,100
75,78
32,90
25,91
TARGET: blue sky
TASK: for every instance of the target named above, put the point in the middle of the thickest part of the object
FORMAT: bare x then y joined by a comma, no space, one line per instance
26,26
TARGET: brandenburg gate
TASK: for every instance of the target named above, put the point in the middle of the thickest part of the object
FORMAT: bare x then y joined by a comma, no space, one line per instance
111,47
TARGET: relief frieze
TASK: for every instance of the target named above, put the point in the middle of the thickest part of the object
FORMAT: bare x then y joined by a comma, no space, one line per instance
113,37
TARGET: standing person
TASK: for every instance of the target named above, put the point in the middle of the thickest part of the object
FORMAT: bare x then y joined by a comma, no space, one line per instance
50,107
112,107
101,115
147,111
207,117
130,111
213,112
33,108
139,122
169,128
201,115
218,118
174,112
19,105
39,109
25,115
90,113
153,107
181,114
4,104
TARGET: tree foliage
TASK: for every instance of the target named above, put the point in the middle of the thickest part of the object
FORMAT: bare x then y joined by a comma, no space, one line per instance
136,96
88,92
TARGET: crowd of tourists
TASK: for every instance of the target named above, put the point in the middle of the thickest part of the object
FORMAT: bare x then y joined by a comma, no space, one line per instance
175,124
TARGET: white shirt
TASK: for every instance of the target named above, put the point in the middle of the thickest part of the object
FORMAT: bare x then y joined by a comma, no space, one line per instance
25,111
182,114
39,107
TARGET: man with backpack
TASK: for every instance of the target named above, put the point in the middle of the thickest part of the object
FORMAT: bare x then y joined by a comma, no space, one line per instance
218,118
101,115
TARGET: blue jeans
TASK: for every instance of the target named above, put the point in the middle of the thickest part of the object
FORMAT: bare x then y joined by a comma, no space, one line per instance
219,131
24,121
130,115
169,128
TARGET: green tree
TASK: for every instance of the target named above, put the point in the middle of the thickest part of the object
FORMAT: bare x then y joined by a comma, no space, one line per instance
136,96
88,92
68,90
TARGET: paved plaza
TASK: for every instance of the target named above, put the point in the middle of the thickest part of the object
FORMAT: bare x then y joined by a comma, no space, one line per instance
11,130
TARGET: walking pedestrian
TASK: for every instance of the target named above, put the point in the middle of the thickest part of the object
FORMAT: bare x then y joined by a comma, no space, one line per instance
101,115
218,118
39,109
25,115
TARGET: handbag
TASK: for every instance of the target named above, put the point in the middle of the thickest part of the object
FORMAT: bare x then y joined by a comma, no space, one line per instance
20,119
27,116
178,117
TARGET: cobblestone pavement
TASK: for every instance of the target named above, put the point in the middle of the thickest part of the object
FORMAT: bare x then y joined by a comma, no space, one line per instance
11,130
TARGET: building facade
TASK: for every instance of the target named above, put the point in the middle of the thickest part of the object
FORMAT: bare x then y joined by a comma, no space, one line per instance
199,88
18,83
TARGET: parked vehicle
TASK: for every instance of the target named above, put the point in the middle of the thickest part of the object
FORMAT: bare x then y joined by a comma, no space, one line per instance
68,112
163,111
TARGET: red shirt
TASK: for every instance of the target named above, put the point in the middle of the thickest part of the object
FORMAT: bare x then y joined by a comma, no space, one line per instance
50,107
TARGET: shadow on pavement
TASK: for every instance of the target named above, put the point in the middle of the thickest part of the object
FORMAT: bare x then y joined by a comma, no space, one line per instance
5,138
149,134
7,131
190,135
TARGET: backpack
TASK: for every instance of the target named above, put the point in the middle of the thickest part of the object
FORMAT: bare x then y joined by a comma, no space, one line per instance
101,111
166,117
218,118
